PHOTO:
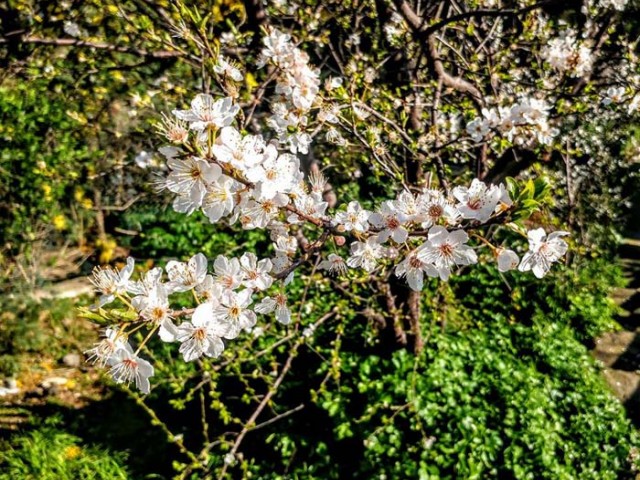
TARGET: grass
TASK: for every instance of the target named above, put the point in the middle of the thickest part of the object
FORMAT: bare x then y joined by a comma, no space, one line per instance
48,453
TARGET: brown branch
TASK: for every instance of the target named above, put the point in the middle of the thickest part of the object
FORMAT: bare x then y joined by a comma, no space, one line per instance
73,42
250,425
510,12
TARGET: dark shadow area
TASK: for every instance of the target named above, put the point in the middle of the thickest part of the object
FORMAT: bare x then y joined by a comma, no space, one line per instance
632,406
630,359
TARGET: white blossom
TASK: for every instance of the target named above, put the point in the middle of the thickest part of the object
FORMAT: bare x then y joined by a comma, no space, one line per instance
185,276
354,218
365,254
507,260
203,334
479,201
278,303
111,282
205,113
543,251
445,249
127,367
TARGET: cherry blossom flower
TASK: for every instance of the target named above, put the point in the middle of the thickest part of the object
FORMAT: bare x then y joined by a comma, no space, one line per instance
507,260
260,213
478,128
278,304
203,334
365,254
227,69
256,273
155,308
477,202
111,282
241,152
234,309
446,249
106,348
189,178
209,291
334,264
433,207
219,200
127,367
205,112
543,251
391,221
227,272
276,174
414,268
142,288
185,276
354,218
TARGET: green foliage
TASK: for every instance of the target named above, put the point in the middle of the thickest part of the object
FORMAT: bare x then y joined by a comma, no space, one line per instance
39,173
575,297
511,395
26,326
167,234
50,454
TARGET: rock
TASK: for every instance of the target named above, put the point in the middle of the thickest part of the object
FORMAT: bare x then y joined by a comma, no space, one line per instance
611,346
4,391
72,360
50,382
624,384
10,383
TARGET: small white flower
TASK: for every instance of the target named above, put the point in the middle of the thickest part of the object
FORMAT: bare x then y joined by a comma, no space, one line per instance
203,334
507,260
241,152
227,69
127,367
190,178
446,249
543,251
391,221
155,309
414,269
278,304
355,218
111,282
478,201
185,276
234,309
433,207
209,290
205,112
218,199
106,348
333,264
142,288
256,273
478,128
275,175
227,272
365,254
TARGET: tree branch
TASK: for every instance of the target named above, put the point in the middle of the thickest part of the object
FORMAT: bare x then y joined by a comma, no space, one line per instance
73,42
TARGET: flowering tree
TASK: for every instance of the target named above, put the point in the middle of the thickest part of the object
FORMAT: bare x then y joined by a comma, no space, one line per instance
391,144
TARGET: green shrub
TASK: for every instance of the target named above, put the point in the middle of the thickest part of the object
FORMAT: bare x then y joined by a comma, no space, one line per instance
50,454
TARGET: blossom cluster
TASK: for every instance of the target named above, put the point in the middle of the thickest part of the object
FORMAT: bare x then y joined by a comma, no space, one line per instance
224,298
568,55
297,87
516,123
238,177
